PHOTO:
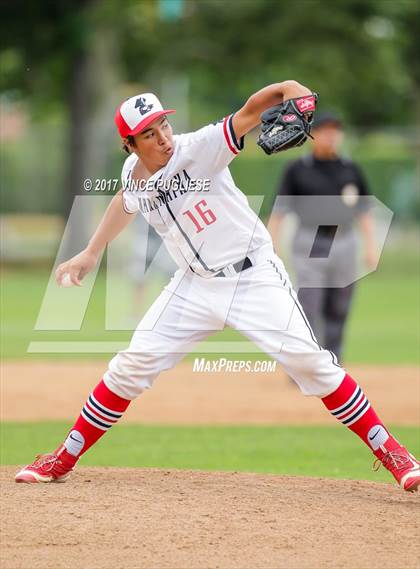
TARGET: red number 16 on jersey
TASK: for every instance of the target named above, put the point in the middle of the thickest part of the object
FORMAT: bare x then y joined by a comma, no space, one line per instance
206,215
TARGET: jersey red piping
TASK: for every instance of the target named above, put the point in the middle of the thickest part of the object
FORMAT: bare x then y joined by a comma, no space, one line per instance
225,132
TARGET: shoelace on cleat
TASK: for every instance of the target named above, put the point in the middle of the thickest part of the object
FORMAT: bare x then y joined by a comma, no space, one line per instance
45,461
392,460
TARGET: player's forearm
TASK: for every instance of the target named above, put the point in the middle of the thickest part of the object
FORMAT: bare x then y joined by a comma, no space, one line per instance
248,116
275,94
113,222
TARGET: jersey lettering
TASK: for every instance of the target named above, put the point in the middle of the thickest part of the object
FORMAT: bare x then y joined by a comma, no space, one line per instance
207,215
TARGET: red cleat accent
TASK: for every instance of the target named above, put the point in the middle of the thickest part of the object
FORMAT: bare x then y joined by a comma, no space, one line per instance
403,467
53,467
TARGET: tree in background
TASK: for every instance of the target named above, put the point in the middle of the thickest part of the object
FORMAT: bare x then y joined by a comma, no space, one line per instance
361,55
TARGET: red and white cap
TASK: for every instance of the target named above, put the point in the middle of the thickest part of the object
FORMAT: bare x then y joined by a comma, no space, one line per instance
136,113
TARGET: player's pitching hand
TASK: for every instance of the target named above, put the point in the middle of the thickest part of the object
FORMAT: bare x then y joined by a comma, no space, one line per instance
75,269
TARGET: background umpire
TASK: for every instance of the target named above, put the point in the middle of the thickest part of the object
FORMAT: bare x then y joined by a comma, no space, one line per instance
325,173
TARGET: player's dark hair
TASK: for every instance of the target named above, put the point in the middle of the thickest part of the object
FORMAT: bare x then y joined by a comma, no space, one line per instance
130,140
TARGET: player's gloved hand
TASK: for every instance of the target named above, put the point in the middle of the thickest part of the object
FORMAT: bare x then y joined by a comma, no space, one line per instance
288,124
77,267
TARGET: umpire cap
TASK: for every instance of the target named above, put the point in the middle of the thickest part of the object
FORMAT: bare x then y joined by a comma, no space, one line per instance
327,117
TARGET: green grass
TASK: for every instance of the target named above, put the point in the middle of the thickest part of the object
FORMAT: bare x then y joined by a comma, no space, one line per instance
21,297
325,451
383,326
384,323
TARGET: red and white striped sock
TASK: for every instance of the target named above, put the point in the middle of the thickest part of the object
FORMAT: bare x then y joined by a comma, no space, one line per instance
102,409
350,406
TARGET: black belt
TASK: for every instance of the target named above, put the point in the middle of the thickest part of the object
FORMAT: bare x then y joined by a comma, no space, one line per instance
239,266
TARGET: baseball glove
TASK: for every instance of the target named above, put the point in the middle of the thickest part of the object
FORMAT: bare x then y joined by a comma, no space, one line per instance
287,125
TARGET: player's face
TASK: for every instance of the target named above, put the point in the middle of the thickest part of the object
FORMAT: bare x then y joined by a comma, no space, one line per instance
155,144
327,139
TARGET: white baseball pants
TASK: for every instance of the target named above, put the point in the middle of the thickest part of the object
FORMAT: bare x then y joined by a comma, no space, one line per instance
259,302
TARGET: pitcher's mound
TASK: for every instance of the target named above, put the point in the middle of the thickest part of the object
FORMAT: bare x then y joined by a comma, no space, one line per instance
108,518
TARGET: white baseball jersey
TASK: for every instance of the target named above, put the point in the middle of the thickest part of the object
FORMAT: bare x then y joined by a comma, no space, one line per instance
206,232
204,229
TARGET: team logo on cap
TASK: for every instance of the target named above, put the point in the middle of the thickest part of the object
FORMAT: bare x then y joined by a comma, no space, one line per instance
142,106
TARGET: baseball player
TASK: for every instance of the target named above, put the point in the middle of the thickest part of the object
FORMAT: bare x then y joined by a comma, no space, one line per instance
228,273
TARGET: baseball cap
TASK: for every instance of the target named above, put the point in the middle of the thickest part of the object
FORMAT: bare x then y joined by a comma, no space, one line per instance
326,117
137,112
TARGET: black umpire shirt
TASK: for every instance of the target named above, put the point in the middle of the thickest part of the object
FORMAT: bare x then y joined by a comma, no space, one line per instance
309,176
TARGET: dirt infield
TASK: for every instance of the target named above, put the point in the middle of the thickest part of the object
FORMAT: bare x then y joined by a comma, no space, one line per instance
155,519
51,391
107,518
